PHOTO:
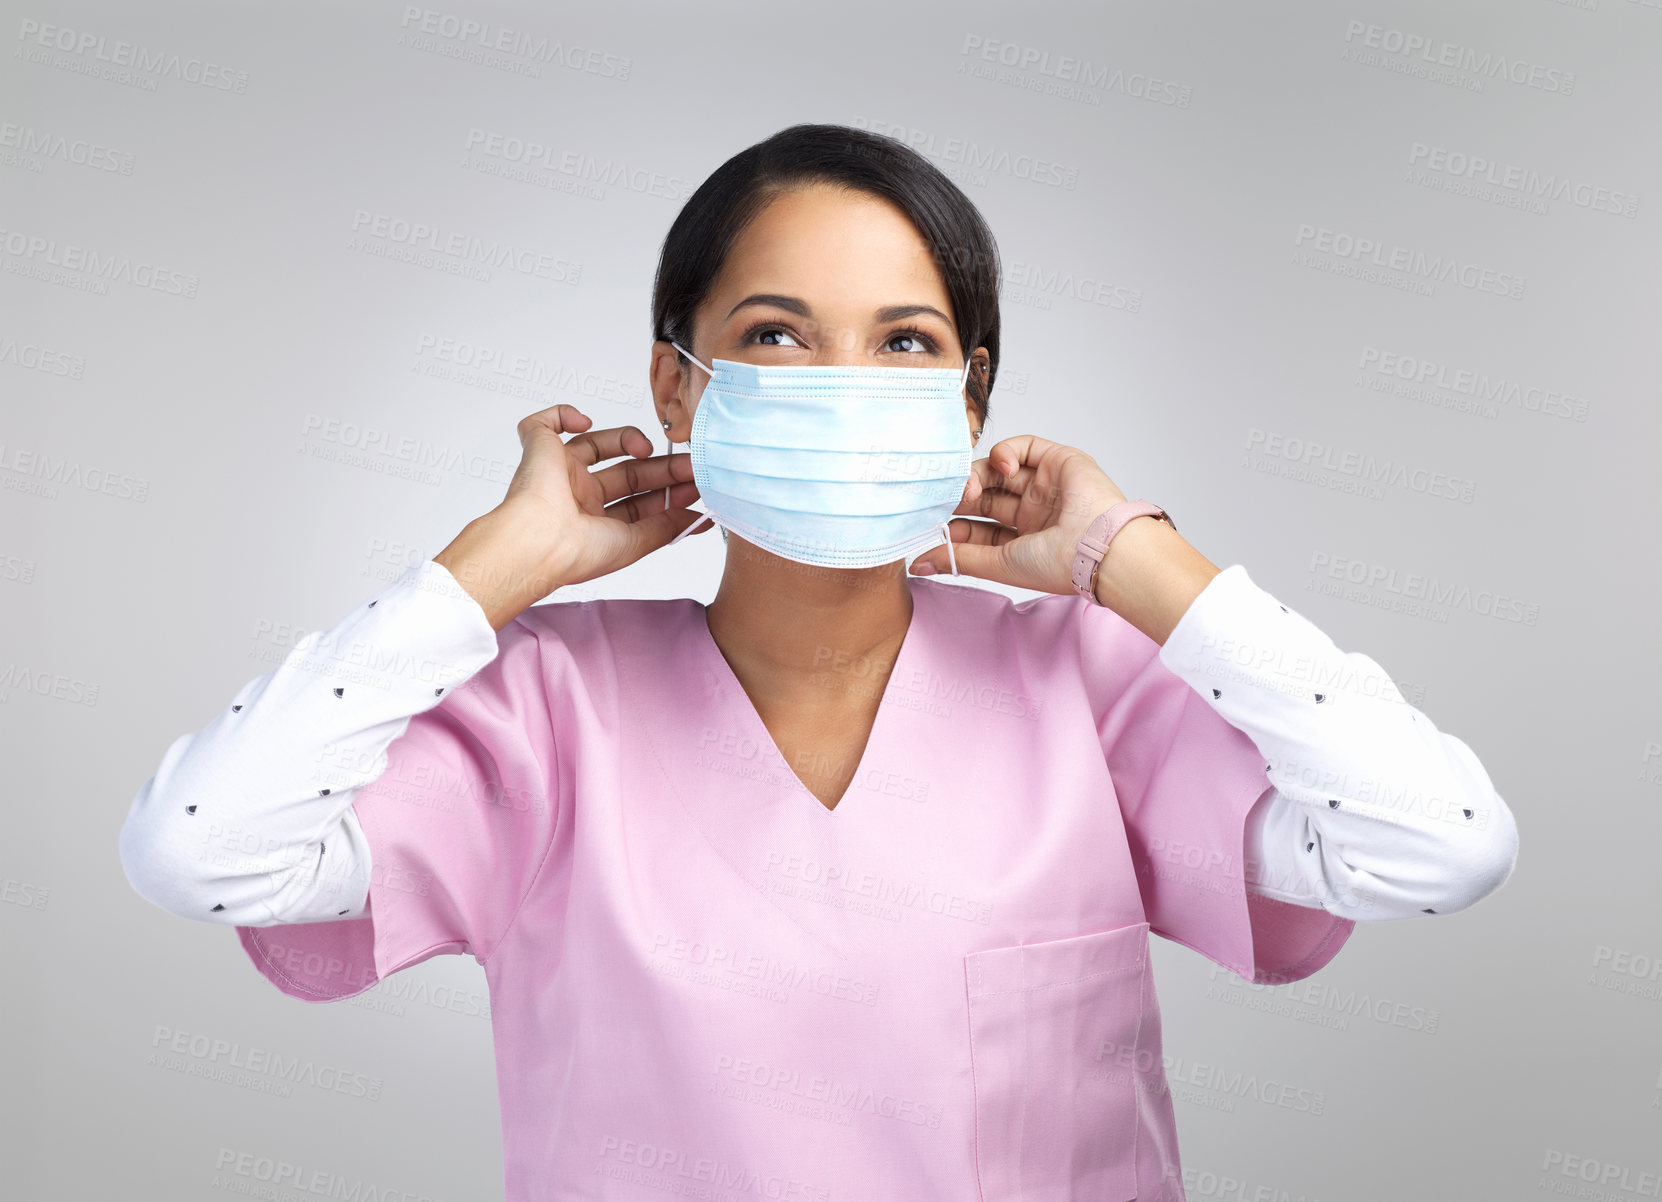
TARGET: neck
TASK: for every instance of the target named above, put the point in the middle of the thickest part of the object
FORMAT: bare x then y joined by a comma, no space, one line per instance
784,621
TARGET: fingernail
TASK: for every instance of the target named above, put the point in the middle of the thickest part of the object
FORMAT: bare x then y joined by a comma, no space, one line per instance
923,569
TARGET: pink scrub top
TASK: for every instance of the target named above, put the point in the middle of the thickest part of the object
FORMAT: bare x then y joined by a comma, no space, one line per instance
705,982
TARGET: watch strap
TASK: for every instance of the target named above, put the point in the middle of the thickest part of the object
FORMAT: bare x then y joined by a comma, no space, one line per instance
1093,544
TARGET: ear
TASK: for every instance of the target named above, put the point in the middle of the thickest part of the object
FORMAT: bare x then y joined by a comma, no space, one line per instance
980,369
669,380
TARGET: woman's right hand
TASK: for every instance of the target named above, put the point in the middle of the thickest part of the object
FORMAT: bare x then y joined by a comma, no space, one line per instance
561,523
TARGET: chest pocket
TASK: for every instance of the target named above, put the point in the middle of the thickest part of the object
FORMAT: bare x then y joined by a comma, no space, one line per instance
1053,1045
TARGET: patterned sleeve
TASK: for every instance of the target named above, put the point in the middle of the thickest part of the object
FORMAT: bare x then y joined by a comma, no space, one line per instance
1187,781
458,827
1376,813
364,806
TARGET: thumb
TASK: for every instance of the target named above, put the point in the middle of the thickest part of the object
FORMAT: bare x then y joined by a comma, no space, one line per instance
663,527
981,560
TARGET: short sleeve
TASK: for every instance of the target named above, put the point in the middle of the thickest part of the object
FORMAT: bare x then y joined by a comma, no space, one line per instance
1186,781
457,827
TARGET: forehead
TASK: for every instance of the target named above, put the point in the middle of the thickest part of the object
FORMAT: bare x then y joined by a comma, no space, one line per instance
839,250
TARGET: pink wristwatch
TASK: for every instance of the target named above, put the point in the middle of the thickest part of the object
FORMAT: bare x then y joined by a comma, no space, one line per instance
1093,544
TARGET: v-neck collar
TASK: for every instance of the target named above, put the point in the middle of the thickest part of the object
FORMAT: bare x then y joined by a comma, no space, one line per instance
729,682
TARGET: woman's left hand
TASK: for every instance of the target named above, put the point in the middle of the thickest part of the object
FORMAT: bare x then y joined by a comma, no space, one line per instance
1041,497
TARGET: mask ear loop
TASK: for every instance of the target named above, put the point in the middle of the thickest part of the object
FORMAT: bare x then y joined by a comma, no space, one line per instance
946,526
689,355
704,517
946,529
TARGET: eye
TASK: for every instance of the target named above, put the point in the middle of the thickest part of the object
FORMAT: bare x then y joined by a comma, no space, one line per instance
926,344
769,327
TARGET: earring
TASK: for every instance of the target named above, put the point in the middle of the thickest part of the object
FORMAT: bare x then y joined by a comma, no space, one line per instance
666,425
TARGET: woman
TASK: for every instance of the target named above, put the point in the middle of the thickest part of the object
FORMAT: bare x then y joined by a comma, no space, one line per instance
841,885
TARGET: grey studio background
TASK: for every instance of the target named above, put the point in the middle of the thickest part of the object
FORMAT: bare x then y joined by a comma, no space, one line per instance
1366,295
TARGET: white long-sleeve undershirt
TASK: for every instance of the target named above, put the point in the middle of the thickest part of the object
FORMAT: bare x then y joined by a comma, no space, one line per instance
249,821
1374,813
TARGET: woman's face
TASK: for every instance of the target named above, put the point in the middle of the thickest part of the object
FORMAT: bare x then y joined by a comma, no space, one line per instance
828,276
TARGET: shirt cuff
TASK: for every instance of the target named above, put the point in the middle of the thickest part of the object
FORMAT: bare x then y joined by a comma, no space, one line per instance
1386,809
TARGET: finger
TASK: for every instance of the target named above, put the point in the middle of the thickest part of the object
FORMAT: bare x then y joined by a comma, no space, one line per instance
991,476
1039,500
554,420
1019,503
982,476
1008,455
652,524
977,548
642,506
998,505
643,475
1013,464
596,445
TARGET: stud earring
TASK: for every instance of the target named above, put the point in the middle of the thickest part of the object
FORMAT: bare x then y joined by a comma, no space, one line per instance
666,425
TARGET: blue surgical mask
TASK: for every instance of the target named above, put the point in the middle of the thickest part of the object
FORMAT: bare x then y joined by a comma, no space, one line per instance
839,467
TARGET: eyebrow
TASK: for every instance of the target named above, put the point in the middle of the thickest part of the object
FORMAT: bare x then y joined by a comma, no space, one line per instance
800,307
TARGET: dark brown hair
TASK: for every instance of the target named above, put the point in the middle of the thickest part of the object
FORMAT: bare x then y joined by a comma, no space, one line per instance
960,241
